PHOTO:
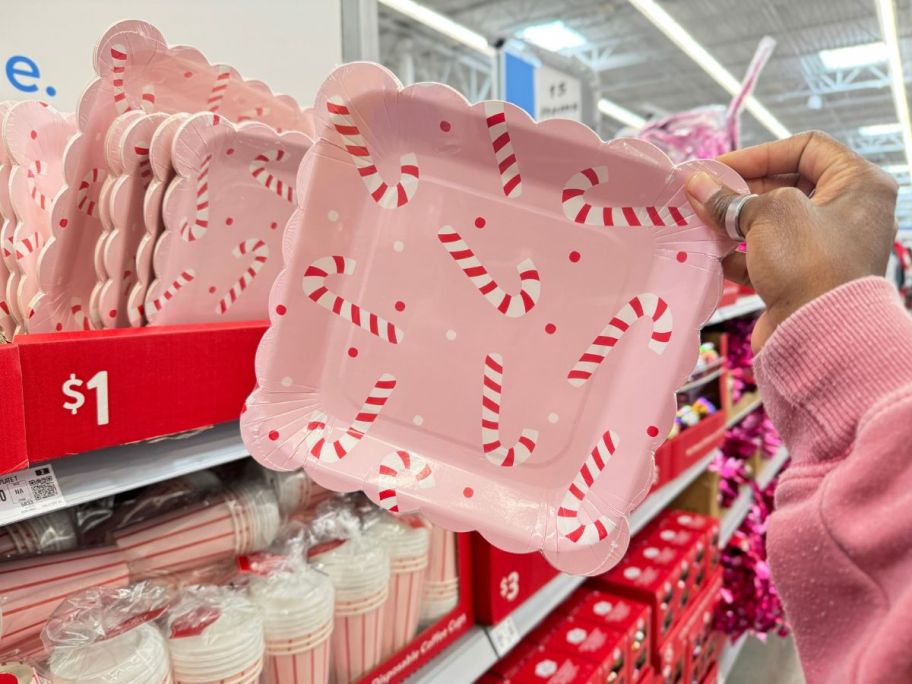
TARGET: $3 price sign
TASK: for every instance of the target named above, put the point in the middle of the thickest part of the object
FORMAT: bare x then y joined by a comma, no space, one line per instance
76,396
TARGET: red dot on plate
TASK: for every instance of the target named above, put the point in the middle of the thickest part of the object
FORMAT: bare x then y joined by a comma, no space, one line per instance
112,313
480,222
681,256
574,256
274,435
34,134
273,225
212,289
652,431
352,352
400,306
188,74
58,327
229,221
280,309
229,151
550,328
468,492
63,222
445,126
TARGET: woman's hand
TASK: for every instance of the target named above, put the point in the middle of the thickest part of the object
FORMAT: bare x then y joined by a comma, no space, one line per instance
824,217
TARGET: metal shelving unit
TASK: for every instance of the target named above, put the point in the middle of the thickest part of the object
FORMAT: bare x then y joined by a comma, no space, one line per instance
736,513
96,474
730,656
743,307
743,412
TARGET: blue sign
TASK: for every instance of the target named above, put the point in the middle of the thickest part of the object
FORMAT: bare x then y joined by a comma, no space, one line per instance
23,73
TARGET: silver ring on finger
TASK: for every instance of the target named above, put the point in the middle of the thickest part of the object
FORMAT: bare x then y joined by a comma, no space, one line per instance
733,217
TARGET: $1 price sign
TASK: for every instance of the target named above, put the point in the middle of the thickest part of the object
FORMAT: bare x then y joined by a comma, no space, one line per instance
75,392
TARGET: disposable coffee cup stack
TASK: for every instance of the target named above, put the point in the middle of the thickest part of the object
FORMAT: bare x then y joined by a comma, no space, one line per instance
297,605
256,515
137,656
441,585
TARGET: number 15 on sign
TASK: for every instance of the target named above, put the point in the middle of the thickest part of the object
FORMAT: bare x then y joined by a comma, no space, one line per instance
75,396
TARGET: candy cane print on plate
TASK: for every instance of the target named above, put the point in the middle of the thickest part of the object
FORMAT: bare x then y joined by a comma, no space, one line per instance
331,451
392,468
386,195
568,515
314,284
194,231
494,450
645,305
502,143
509,305
260,252
577,209
184,279
259,170
89,188
223,76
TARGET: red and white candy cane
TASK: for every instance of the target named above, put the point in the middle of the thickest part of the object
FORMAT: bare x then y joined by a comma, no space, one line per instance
314,284
185,278
259,171
27,245
79,314
121,104
194,231
494,450
510,178
645,305
392,467
335,450
577,209
386,195
253,113
509,305
144,165
35,169
223,75
86,200
568,515
260,252
147,102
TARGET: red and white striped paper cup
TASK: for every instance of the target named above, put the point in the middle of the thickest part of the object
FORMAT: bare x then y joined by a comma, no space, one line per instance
440,593
31,588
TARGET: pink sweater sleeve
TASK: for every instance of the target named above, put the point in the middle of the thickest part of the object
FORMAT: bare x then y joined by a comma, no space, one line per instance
836,378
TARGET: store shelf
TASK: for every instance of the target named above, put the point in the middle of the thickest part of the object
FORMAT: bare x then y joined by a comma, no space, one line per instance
474,653
771,468
96,474
699,382
743,307
736,513
743,412
730,656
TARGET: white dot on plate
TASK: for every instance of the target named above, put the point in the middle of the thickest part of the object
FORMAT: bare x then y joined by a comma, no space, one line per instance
417,420
286,381
553,418
398,246
333,215
451,335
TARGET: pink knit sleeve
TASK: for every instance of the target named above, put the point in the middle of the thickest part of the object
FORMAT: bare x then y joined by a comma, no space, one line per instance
836,378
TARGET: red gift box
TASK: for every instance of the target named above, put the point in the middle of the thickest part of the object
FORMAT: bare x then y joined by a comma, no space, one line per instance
711,677
673,663
692,444
693,547
663,466
581,639
548,665
730,293
702,524
619,614
704,643
648,676
509,666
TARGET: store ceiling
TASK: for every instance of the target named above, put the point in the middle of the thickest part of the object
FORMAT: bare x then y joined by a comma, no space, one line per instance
640,69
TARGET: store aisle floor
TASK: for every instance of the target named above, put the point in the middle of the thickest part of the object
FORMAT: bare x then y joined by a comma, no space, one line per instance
773,662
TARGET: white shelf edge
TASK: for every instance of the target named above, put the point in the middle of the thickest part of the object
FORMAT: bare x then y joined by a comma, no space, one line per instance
744,412
730,656
735,515
699,382
97,474
474,653
772,467
743,307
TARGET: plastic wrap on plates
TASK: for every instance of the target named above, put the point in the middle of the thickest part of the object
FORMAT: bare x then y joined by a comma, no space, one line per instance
21,671
359,567
10,316
107,636
407,539
136,70
32,588
481,317
50,533
224,215
292,488
215,635
297,604
164,497
36,136
707,132
243,518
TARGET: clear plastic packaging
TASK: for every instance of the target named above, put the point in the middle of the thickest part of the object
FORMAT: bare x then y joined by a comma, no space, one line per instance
22,672
215,634
50,533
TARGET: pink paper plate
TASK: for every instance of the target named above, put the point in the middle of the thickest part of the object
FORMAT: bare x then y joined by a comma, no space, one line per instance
454,276
136,70
127,197
9,312
224,213
36,136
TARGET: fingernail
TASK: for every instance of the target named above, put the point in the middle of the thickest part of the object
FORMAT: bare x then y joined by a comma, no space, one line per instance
702,186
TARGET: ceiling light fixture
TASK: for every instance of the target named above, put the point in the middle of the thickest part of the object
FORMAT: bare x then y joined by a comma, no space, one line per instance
854,56
554,36
879,129
618,113
442,24
689,45
887,14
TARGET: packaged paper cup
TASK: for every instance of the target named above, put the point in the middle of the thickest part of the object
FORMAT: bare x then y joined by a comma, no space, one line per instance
22,673
138,656
257,517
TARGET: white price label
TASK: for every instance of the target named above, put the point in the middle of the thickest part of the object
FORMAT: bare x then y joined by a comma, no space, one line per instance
76,397
28,492
504,636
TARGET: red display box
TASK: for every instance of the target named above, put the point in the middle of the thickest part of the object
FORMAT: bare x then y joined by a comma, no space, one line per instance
436,638
730,293
67,393
547,665
695,442
663,466
704,642
704,525
673,666
583,640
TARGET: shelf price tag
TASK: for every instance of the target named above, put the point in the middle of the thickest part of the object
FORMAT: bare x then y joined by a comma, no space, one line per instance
504,636
28,492
75,395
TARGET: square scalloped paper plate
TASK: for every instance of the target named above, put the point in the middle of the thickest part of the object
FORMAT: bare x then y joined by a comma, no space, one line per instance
224,213
36,136
481,317
9,309
136,69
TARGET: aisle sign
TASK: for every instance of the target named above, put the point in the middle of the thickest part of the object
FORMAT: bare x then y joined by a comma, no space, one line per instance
557,95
